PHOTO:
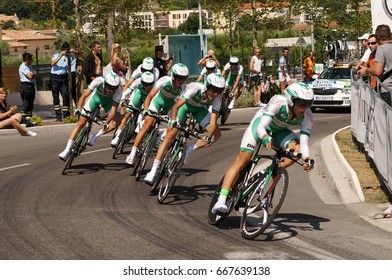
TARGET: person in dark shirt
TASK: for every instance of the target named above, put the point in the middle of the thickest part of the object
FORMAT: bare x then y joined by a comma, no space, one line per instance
92,66
162,65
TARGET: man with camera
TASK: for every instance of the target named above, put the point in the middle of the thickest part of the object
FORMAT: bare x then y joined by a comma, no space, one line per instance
59,81
210,56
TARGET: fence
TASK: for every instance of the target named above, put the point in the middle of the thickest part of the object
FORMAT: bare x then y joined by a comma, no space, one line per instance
371,125
11,77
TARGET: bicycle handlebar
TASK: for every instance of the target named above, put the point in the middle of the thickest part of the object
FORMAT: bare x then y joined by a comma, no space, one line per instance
291,154
186,130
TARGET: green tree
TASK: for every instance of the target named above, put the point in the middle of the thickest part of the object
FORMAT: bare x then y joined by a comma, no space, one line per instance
191,25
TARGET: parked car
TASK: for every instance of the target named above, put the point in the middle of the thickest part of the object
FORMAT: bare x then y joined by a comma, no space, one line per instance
332,88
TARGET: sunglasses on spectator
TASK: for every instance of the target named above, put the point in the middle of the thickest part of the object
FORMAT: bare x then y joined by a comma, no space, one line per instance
371,43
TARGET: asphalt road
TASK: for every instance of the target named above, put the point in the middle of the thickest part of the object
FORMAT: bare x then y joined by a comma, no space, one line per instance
98,211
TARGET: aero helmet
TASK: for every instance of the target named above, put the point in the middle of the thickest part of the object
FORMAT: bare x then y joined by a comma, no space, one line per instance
233,60
299,93
216,82
179,70
112,79
210,65
147,79
148,64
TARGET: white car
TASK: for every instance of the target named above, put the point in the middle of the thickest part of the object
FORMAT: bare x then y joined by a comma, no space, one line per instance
332,89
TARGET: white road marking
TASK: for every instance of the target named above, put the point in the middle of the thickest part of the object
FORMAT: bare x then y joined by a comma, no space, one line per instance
14,166
96,151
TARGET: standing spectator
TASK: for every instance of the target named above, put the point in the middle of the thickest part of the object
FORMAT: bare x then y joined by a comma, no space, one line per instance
383,62
210,56
308,68
372,43
284,70
27,76
59,80
256,75
9,118
92,66
365,50
162,65
119,66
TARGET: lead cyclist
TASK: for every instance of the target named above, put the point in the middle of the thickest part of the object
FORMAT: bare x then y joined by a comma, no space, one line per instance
271,126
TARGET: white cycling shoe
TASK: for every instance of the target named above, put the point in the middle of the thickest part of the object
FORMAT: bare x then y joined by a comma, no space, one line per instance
220,207
114,142
231,105
149,179
64,154
92,139
130,159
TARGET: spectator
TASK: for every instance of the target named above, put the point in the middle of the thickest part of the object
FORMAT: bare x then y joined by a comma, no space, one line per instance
210,56
27,76
383,62
73,75
162,65
59,81
119,66
9,118
284,70
372,43
208,69
92,66
366,52
308,68
256,75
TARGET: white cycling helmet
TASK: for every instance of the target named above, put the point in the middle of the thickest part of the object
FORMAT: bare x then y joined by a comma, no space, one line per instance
112,79
233,60
148,64
210,65
179,70
147,79
299,93
216,82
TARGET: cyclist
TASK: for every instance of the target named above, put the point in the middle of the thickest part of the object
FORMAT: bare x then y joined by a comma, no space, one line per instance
143,85
208,69
162,96
235,78
101,91
147,65
271,125
197,98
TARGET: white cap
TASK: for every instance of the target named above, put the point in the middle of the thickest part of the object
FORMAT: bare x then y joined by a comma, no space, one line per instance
364,37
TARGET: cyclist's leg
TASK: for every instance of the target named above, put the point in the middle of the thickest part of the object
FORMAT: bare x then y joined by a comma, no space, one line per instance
286,139
248,144
79,125
108,105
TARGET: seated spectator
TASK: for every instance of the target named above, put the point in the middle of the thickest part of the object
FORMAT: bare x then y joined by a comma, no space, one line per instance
9,118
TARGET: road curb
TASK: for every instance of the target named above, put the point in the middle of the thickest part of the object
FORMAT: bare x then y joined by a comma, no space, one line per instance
45,129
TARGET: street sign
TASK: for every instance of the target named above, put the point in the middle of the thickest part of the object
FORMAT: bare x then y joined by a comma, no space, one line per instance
301,41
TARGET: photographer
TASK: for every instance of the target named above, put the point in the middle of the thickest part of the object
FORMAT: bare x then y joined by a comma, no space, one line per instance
210,56
59,81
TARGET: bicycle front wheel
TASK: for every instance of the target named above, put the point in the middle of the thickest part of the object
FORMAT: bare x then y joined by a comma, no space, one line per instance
76,148
263,205
145,153
171,173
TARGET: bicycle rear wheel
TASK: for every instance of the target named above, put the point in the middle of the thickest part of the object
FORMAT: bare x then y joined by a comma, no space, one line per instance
263,205
125,137
171,173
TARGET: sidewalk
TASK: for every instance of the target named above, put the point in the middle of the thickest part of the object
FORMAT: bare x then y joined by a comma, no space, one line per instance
343,180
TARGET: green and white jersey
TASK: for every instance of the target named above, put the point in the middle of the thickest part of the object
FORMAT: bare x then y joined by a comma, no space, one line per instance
97,87
166,89
239,71
167,94
138,95
275,120
194,97
138,73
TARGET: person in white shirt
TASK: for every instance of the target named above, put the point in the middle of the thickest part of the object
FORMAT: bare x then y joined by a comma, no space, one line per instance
256,75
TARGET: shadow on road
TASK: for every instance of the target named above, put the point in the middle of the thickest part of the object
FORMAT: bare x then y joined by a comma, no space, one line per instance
89,168
186,194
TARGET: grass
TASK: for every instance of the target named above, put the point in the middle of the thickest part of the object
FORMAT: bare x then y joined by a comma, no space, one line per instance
373,190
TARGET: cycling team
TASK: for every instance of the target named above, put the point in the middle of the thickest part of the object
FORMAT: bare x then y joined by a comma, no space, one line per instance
152,94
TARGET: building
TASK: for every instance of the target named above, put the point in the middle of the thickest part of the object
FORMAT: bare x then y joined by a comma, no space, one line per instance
32,41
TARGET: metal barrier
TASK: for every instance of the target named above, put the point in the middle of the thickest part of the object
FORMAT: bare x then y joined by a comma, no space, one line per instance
371,125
